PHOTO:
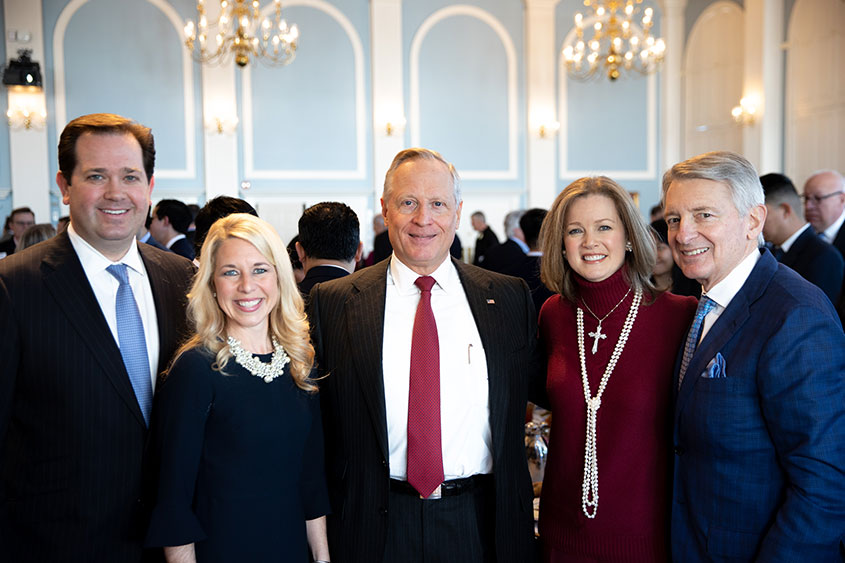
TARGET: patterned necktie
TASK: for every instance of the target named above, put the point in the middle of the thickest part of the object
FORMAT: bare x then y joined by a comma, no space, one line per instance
133,344
704,306
425,452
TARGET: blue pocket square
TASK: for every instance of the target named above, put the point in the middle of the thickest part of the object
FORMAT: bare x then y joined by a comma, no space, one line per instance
716,368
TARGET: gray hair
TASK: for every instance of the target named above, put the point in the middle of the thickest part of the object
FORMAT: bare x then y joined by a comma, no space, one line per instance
835,173
424,154
728,168
512,221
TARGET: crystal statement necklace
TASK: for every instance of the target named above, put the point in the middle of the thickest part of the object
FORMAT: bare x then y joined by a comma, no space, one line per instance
267,372
590,484
598,334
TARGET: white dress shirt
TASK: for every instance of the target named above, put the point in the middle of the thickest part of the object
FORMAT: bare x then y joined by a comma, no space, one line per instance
787,244
180,236
464,408
105,287
723,292
829,234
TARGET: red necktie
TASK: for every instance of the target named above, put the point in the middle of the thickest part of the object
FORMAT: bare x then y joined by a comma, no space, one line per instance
425,453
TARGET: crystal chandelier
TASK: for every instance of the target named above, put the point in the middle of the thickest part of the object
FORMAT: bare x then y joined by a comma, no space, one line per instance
238,32
618,42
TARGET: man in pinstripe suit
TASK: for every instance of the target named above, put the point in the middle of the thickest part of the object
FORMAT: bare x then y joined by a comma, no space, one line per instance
72,429
364,332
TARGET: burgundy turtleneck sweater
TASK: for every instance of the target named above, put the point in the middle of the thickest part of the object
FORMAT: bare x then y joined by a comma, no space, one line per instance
633,425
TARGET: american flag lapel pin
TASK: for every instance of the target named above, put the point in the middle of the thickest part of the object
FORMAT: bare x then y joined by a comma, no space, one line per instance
491,301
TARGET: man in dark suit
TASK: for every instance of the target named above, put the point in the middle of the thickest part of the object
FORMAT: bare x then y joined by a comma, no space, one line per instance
759,468
487,239
508,257
529,270
88,318
171,219
795,243
20,220
824,206
428,361
329,243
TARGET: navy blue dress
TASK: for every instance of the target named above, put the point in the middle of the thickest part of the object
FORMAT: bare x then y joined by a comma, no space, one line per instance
240,463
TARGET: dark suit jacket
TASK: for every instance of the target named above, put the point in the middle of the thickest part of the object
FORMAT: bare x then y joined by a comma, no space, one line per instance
488,240
71,431
183,248
817,262
153,242
347,317
759,464
507,258
839,244
319,274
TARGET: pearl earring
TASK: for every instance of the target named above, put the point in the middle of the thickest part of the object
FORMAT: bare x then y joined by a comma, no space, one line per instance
629,247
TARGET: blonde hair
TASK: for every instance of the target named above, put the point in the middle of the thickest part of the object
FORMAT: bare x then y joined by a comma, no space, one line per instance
555,271
288,322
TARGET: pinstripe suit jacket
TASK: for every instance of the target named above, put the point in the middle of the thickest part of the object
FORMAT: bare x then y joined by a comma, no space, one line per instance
759,457
71,431
347,317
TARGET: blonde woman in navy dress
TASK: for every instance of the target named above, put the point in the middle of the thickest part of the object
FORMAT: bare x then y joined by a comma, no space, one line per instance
236,429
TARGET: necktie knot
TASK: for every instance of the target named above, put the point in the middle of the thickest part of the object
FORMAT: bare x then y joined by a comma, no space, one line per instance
119,272
425,283
704,306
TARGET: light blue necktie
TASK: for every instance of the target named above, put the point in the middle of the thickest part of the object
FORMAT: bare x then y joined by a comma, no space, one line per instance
704,306
133,344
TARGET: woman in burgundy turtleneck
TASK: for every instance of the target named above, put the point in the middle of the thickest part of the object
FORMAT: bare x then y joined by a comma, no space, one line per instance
609,336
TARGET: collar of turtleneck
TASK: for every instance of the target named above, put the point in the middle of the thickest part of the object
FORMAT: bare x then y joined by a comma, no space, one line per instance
602,296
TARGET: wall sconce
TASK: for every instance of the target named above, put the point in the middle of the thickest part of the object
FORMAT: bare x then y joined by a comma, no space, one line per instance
746,112
395,126
548,129
25,118
221,125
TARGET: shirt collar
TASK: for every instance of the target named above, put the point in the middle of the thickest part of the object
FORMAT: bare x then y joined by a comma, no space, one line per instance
724,291
521,244
93,260
180,236
833,229
403,277
787,244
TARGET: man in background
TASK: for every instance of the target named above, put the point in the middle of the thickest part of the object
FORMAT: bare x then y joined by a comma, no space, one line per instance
20,220
329,243
487,239
759,467
169,226
89,319
214,209
508,257
795,243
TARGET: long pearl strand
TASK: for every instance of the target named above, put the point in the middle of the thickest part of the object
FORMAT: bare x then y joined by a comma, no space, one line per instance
590,484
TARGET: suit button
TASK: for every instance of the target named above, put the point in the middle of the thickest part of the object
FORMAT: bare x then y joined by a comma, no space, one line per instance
678,450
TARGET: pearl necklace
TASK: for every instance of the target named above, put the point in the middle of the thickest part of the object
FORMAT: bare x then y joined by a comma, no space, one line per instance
267,372
590,484
598,334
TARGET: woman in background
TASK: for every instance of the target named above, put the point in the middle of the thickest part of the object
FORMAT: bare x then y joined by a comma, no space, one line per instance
35,234
611,340
236,428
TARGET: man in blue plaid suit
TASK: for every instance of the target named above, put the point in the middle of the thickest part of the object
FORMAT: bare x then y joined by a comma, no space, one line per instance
759,425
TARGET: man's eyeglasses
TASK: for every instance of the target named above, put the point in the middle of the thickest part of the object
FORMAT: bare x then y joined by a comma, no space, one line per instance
817,199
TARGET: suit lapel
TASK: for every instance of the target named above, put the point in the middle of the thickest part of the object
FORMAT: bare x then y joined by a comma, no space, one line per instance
485,312
65,279
727,325
365,318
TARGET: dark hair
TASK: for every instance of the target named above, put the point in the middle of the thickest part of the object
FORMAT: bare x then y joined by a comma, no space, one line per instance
294,257
661,229
104,124
214,209
777,186
176,211
18,211
530,223
329,230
